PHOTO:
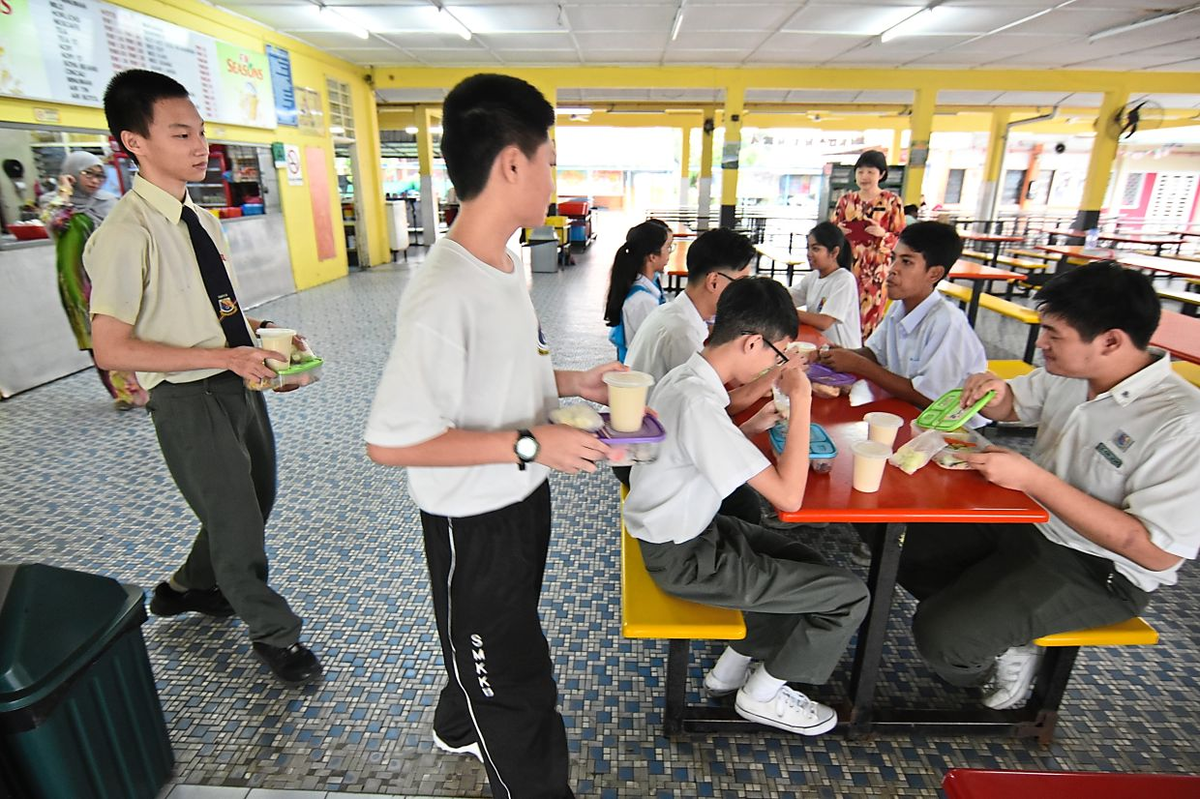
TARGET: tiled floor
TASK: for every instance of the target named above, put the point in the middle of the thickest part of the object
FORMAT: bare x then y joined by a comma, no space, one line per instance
84,487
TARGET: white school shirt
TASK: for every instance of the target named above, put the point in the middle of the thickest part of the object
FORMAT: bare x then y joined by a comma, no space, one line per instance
934,347
469,354
638,306
671,334
1135,447
703,459
835,295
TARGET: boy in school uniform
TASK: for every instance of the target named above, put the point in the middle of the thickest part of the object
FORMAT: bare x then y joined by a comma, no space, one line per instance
800,613
463,404
1116,462
924,346
163,304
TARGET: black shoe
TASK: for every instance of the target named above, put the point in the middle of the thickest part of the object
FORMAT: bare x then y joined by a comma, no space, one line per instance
294,665
166,601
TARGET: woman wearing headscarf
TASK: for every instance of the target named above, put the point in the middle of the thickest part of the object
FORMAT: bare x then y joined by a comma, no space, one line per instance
871,219
79,208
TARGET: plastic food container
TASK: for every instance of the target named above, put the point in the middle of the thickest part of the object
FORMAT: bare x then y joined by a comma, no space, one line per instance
298,374
638,447
27,232
821,449
827,377
252,209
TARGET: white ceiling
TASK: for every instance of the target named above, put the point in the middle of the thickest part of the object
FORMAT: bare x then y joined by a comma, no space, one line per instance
960,34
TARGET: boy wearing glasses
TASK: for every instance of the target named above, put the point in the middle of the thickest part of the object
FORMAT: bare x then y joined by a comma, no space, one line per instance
800,612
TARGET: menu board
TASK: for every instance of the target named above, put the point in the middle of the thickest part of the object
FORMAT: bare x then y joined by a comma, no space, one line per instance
68,50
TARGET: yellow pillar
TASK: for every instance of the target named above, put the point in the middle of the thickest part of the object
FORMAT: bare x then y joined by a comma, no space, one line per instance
989,200
706,159
550,92
920,125
1104,154
685,166
735,100
897,146
429,200
370,175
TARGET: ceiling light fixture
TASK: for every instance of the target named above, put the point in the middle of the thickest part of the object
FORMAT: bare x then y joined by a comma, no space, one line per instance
452,22
909,25
341,23
569,110
1142,23
678,21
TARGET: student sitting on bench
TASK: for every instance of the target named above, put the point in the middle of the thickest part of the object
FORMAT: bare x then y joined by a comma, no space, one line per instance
800,613
1116,462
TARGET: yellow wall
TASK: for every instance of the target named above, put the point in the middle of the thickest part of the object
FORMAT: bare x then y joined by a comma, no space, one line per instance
310,67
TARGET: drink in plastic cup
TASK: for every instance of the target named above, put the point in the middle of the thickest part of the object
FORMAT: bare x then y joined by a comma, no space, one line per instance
869,459
277,339
882,427
627,399
805,349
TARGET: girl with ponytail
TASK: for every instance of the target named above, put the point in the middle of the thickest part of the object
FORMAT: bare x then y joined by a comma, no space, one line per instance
634,289
829,293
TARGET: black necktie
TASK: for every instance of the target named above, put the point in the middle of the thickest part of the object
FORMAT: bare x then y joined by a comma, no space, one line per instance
217,283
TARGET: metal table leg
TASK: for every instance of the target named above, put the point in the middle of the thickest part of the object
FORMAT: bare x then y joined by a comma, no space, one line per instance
881,579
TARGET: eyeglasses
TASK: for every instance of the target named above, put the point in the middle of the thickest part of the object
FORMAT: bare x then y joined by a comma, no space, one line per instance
730,279
93,173
780,357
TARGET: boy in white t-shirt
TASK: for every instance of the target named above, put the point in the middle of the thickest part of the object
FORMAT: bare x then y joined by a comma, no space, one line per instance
800,613
463,403
829,293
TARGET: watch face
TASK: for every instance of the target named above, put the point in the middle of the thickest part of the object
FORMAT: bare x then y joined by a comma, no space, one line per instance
526,448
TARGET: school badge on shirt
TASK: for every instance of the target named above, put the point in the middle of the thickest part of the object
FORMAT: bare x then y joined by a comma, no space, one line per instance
543,346
226,306
1123,440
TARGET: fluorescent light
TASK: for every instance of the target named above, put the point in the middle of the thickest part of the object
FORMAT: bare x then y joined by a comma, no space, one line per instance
570,110
909,25
678,21
1141,23
411,130
451,22
336,130
341,23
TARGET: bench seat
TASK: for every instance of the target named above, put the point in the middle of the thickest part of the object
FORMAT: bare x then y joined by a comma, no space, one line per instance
1188,371
1131,632
1012,310
1189,299
1009,369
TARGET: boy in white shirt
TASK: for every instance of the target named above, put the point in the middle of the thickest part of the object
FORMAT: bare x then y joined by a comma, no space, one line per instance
800,613
829,293
1116,462
924,346
463,403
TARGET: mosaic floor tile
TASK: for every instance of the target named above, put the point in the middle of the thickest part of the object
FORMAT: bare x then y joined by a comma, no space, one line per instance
85,488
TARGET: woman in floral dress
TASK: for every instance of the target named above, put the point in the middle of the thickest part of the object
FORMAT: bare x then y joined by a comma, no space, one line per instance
71,217
872,220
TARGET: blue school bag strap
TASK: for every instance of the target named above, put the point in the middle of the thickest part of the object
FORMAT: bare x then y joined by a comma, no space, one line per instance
616,334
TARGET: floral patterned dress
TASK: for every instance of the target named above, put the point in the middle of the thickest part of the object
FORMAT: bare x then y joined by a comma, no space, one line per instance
872,254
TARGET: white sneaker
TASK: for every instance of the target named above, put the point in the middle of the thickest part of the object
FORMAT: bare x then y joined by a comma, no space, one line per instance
715,686
788,710
471,749
1012,682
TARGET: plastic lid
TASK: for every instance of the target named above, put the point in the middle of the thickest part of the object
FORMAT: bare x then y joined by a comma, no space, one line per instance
651,432
872,449
946,414
298,368
883,419
827,377
820,445
628,379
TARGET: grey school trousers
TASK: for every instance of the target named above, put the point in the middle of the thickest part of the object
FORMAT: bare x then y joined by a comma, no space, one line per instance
217,441
800,612
982,588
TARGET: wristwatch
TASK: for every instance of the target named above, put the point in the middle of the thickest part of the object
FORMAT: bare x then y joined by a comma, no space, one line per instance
527,448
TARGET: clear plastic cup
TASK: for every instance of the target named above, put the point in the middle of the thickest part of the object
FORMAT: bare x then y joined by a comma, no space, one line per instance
882,427
869,459
627,399
277,339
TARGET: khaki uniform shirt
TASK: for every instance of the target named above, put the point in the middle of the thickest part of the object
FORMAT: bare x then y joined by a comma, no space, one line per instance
144,273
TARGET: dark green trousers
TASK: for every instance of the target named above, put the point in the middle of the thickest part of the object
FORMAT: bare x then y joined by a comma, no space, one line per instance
217,441
983,588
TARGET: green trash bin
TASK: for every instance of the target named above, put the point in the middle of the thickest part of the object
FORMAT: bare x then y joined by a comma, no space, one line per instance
79,714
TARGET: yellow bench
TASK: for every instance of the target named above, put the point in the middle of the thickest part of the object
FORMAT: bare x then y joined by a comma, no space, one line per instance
1009,369
1190,300
1012,310
1188,371
1044,256
784,257
976,255
649,612
1055,673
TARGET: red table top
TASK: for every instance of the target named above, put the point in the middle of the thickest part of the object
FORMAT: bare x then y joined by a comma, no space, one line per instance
1156,263
989,237
1126,238
1178,335
970,270
932,494
979,784
677,265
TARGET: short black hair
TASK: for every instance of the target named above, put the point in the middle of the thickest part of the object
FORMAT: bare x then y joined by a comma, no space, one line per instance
938,243
876,159
911,210
1101,296
719,248
129,101
480,117
754,305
